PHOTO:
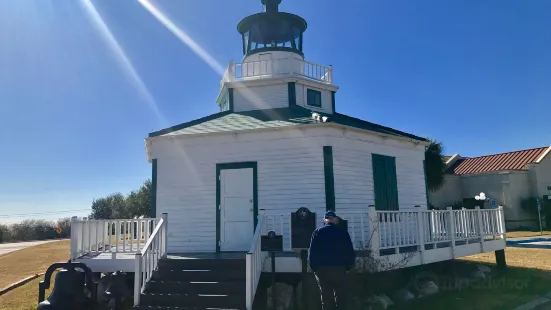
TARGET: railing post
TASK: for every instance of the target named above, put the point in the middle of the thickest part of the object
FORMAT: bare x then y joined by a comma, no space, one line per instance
231,76
74,238
249,281
137,278
480,228
164,235
501,218
421,231
330,74
451,229
375,238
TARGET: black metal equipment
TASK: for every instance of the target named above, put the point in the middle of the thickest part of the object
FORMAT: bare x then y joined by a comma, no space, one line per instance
117,289
343,224
272,243
69,289
303,224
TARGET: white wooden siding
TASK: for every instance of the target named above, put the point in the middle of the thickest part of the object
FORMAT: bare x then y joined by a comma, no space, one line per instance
354,187
326,100
261,97
543,173
290,175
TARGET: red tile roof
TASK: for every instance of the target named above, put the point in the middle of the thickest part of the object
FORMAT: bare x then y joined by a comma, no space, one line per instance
498,162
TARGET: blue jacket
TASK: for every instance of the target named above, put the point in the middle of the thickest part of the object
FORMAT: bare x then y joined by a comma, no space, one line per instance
331,246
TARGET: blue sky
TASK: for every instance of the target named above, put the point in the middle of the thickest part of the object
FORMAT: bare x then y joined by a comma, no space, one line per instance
473,74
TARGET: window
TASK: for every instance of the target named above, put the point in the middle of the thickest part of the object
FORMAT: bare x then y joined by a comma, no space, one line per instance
385,182
313,98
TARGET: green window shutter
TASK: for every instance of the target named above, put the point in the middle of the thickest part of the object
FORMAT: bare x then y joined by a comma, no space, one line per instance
385,182
313,98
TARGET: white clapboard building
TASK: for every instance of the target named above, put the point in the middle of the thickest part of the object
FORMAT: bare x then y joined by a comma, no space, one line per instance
277,144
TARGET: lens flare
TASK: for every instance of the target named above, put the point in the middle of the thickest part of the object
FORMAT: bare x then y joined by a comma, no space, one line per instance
122,58
180,34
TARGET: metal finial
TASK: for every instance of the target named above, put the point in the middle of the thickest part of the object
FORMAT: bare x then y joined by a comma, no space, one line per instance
271,5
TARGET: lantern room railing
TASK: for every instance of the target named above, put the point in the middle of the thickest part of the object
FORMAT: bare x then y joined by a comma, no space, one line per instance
278,67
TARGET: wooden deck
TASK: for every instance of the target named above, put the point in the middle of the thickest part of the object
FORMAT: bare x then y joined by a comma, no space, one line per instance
290,261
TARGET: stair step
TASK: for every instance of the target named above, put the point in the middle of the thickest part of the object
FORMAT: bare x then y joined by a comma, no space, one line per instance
159,286
149,307
165,274
183,300
203,264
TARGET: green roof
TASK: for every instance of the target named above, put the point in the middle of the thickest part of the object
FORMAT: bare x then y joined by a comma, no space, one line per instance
273,118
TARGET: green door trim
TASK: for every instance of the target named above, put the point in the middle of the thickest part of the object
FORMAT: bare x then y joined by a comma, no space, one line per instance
153,198
329,178
241,165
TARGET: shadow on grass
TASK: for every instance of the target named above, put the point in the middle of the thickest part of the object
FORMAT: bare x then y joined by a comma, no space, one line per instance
500,290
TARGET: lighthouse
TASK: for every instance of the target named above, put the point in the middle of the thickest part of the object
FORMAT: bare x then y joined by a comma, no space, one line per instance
274,72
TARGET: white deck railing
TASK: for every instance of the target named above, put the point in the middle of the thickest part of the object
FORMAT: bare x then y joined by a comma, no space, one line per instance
147,259
398,229
111,236
278,67
407,228
255,261
358,226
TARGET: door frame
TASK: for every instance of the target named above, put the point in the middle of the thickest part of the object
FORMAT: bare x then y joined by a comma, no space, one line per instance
238,165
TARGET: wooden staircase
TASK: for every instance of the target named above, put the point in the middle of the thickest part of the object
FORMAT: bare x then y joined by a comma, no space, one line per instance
209,283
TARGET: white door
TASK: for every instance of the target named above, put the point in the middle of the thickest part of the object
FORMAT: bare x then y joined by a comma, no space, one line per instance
236,209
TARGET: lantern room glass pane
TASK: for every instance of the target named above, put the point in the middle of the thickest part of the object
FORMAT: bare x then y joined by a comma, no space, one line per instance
267,34
246,46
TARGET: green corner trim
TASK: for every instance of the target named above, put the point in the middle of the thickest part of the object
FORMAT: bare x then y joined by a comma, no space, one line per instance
153,196
292,94
333,101
329,178
230,98
241,165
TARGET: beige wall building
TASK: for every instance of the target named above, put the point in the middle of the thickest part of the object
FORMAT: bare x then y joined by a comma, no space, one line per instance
506,178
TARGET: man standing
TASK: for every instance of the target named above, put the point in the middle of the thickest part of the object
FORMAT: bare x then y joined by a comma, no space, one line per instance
330,256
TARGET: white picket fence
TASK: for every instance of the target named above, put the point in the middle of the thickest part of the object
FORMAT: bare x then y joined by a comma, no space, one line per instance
113,236
407,228
421,227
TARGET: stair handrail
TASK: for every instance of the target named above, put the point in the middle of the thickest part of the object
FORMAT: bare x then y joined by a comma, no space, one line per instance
147,259
255,259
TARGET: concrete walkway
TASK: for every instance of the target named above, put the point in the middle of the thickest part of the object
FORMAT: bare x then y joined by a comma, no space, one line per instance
6,248
543,242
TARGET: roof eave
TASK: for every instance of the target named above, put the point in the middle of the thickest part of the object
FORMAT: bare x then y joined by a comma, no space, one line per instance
149,139
543,155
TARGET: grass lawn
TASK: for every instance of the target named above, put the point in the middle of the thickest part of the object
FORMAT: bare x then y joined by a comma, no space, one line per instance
20,264
520,234
24,297
23,263
518,257
527,277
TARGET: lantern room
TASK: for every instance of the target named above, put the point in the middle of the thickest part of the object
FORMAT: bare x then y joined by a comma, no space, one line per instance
272,30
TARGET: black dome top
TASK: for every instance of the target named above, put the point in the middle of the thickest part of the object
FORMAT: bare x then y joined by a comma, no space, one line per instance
272,30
